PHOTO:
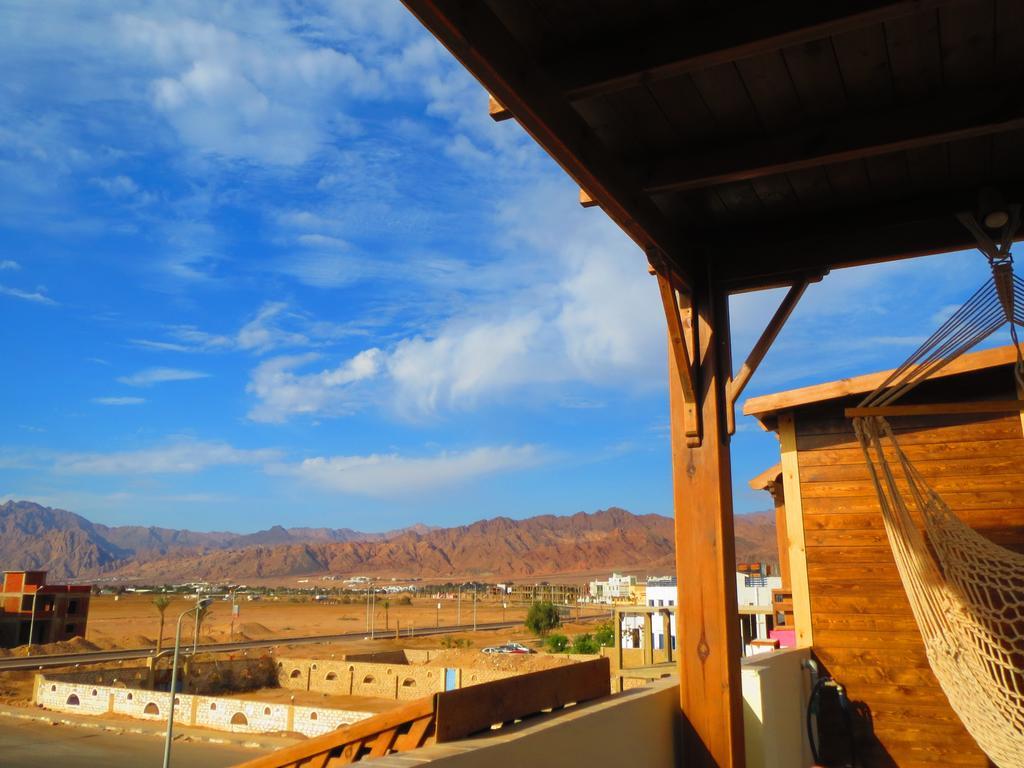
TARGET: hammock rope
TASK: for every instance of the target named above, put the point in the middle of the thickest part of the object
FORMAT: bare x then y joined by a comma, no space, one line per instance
965,591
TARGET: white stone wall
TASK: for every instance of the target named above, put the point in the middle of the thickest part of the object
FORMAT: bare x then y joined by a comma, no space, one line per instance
222,714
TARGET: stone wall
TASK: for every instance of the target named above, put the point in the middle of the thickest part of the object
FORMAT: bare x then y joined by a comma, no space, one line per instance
387,681
215,712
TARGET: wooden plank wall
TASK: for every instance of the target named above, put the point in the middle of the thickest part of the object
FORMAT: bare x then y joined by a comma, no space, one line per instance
863,629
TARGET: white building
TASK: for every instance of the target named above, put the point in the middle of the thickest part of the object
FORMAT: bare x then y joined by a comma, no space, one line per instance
753,597
617,588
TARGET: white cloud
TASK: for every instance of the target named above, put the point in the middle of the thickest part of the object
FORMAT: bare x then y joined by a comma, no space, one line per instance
393,475
565,302
283,393
8,264
37,296
188,456
119,400
262,334
263,94
150,376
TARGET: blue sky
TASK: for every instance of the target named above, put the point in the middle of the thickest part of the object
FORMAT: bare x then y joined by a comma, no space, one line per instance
272,263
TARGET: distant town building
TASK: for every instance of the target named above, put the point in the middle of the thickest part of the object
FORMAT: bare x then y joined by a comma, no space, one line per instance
51,612
559,594
753,598
619,588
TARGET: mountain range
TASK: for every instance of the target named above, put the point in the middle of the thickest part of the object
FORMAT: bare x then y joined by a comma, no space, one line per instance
70,546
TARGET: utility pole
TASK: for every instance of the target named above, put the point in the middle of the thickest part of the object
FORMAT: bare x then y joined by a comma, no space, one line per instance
32,620
474,607
373,611
437,619
367,609
458,609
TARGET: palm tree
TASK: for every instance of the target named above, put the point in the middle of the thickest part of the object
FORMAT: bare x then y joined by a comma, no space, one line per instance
387,604
201,613
160,602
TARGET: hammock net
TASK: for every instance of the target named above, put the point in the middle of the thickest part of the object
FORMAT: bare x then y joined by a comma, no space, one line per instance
966,592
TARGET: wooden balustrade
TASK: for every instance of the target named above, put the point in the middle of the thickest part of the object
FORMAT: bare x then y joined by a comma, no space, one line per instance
446,716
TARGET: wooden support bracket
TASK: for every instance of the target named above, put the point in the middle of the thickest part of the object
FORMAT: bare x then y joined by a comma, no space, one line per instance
586,200
678,308
497,110
735,386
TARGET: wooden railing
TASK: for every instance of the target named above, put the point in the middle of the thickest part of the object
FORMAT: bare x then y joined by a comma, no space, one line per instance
447,716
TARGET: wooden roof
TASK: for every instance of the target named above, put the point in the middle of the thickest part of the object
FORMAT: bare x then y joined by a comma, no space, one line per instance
768,406
756,139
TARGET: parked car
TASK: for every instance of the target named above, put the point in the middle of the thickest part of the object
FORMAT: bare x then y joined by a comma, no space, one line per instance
508,648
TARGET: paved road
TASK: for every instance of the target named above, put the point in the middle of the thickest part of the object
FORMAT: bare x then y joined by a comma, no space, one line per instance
35,662
26,744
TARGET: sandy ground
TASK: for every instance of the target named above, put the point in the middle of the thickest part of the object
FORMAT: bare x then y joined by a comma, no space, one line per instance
313,699
132,621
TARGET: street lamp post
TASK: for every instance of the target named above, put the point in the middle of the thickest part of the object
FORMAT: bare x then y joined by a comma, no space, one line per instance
458,609
474,607
373,612
200,604
32,620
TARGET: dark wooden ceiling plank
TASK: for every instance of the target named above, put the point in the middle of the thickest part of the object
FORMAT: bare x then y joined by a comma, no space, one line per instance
849,181
652,134
888,175
763,253
816,76
727,99
929,166
970,161
772,91
477,38
812,187
776,194
863,60
683,106
740,198
1009,34
982,113
695,42
915,55
966,32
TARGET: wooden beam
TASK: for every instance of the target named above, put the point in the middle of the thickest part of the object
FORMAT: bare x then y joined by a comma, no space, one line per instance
994,406
496,110
680,351
586,200
708,646
736,386
690,42
776,253
478,39
795,532
907,127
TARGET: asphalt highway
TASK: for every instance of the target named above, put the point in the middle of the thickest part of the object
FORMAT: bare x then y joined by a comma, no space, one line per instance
89,657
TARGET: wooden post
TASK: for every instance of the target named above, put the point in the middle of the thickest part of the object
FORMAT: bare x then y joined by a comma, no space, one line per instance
708,645
795,531
648,639
666,627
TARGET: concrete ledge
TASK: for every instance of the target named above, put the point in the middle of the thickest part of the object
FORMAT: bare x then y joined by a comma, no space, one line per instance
638,728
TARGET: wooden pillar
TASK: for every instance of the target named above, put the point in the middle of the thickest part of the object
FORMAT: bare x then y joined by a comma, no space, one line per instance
648,639
708,645
781,534
666,626
618,635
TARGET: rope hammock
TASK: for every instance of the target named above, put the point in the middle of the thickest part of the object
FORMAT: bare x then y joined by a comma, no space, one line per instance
966,592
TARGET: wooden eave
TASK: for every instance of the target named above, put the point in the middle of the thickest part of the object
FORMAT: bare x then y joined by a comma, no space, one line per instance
766,479
767,407
756,143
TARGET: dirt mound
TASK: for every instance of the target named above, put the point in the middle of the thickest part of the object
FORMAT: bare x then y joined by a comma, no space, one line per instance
255,630
105,643
138,641
74,645
500,662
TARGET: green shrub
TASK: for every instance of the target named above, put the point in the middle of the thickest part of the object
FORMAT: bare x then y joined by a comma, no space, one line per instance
542,618
605,635
585,643
556,643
